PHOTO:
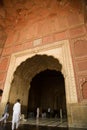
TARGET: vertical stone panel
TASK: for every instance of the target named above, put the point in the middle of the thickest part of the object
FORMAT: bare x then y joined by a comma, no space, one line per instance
79,54
4,64
84,90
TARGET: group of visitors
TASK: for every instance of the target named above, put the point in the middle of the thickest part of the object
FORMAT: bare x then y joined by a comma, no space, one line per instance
16,114
43,113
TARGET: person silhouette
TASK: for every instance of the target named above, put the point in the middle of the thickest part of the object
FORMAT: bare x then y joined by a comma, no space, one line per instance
5,114
16,114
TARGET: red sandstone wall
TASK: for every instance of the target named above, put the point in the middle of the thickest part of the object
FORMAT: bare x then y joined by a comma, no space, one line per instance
50,26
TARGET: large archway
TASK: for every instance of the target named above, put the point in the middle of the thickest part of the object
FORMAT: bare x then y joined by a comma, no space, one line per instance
24,74
58,53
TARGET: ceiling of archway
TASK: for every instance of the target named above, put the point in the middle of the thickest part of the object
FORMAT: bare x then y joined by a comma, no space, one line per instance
15,13
32,66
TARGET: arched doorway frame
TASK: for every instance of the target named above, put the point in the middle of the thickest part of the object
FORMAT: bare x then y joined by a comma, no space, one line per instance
59,50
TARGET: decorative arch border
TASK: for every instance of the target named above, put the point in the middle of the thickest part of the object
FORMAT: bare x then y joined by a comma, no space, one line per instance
61,51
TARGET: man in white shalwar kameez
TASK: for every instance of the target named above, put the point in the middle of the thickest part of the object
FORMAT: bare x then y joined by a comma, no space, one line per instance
38,112
16,114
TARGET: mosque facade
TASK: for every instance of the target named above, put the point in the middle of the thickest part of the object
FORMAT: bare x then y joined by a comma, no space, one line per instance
43,56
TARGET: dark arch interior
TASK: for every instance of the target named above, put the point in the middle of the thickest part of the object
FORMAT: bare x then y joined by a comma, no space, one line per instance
47,91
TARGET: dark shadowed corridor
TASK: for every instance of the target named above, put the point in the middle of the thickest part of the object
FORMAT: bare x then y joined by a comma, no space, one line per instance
47,91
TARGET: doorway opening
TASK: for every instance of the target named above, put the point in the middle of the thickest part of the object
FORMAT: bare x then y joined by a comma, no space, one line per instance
47,91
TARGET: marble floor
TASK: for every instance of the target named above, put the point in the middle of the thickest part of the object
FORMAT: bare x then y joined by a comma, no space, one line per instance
41,124
54,122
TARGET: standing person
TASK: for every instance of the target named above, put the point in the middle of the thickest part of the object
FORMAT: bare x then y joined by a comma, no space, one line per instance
49,110
6,113
7,108
38,112
16,114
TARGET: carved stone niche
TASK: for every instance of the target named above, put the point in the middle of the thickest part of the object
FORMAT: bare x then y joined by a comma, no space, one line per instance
83,86
80,48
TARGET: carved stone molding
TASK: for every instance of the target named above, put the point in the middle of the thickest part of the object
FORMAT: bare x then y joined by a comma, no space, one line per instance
83,87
